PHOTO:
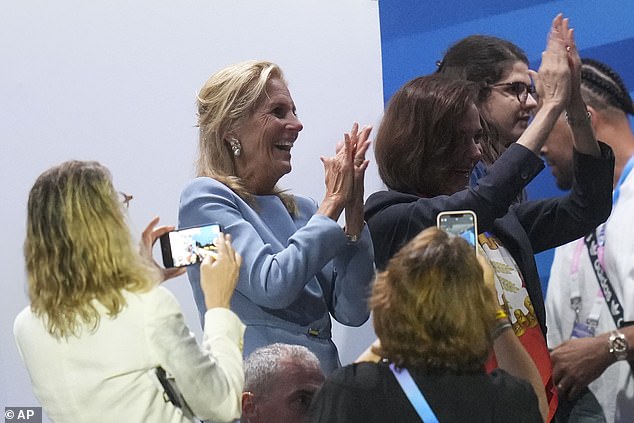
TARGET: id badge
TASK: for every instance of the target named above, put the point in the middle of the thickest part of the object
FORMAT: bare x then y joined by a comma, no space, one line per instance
581,330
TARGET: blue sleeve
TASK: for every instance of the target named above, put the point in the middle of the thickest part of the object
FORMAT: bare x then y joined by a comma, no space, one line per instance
354,271
273,274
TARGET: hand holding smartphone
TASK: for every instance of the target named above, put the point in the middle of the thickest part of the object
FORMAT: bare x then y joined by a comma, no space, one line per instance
462,223
187,246
218,278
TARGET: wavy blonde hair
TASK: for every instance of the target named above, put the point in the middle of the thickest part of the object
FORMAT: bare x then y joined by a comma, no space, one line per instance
78,248
228,98
431,308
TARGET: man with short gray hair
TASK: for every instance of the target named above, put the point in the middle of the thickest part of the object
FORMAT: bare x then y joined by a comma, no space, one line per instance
280,382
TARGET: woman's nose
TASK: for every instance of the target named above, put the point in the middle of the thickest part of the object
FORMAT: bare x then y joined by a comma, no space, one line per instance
475,152
531,102
295,124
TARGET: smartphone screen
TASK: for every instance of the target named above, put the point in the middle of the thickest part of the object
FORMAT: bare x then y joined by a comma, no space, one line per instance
187,246
461,223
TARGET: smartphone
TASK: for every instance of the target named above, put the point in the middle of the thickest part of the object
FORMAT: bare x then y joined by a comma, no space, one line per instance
462,223
187,246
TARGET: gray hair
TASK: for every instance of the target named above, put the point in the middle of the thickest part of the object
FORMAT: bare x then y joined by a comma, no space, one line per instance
264,364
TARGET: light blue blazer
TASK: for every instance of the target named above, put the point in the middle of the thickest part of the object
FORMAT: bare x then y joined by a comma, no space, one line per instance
296,270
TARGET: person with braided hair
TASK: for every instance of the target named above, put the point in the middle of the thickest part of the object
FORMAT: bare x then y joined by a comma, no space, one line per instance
590,349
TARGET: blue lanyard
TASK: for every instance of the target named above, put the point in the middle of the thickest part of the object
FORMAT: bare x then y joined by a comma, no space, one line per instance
624,173
414,395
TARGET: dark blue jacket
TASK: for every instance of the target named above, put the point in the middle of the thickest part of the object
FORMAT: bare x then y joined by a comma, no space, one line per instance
524,228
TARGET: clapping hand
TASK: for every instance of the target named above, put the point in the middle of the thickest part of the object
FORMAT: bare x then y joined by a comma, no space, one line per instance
552,81
359,142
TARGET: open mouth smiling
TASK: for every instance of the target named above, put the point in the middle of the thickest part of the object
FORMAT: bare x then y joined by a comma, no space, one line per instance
284,145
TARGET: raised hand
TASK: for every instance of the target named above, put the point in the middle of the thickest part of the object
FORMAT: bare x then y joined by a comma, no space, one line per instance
574,61
552,80
360,142
354,208
219,273
576,111
339,177
345,173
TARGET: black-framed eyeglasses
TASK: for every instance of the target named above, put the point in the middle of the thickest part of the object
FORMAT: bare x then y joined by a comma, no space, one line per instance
125,199
519,89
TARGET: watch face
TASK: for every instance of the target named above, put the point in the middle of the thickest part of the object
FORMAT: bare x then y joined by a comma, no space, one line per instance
618,345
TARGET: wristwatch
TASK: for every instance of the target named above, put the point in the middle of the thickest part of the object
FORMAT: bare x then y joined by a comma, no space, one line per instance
352,239
618,345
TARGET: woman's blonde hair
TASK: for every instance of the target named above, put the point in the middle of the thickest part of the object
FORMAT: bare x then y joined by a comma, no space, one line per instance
78,248
431,308
228,98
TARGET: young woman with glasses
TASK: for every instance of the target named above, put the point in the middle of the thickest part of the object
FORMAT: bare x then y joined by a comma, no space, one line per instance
506,92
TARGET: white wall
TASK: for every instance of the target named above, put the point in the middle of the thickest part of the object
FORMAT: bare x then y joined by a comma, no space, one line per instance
115,81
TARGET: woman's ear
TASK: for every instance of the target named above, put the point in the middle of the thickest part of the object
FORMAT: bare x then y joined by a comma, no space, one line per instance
234,143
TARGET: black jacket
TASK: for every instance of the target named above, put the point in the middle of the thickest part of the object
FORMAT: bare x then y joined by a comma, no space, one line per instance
524,228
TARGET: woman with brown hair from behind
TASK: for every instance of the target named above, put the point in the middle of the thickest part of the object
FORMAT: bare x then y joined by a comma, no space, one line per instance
436,315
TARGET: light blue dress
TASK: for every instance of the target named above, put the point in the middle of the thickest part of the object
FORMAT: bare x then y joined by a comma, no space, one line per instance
296,270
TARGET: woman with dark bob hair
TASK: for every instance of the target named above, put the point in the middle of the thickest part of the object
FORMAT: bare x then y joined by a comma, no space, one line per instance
426,147
434,311
100,333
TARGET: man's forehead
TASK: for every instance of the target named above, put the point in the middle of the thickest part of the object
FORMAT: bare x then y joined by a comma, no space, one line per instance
297,372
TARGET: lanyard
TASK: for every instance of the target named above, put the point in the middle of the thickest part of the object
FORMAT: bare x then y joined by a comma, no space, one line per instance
626,171
597,241
414,395
575,295
614,305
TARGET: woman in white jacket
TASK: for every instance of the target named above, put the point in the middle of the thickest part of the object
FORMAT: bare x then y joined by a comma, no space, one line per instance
99,326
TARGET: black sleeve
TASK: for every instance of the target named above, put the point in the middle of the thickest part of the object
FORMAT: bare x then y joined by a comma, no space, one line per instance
557,221
519,401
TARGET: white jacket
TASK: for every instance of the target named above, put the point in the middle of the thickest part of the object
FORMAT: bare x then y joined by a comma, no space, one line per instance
109,375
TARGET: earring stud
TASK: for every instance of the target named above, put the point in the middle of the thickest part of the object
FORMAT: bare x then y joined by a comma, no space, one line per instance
236,147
